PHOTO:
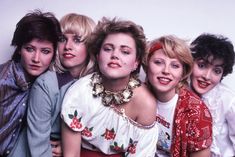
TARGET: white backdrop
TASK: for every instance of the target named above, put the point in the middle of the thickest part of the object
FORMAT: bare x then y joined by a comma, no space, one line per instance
184,18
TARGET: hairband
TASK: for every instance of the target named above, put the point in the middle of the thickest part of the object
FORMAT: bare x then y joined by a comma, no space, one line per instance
155,47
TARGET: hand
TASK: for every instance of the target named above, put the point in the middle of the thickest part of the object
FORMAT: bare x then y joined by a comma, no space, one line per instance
56,149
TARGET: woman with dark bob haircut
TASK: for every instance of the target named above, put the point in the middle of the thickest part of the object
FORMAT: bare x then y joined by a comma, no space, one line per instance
35,41
213,60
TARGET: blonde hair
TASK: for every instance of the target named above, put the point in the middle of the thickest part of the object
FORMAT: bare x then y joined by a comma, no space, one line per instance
80,25
173,47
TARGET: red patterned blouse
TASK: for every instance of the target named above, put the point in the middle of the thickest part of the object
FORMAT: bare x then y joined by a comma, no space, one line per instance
192,128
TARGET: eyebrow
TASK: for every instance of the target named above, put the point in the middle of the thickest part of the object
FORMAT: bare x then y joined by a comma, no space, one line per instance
112,45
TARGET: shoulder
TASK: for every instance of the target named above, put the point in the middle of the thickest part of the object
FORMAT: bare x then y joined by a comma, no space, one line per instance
47,75
9,69
225,91
81,86
192,103
46,79
221,94
145,103
143,95
83,82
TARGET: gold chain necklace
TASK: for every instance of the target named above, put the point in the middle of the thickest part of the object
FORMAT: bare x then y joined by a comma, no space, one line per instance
110,97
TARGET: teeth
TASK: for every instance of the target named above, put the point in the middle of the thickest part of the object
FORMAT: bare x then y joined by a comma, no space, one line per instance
164,79
204,83
68,55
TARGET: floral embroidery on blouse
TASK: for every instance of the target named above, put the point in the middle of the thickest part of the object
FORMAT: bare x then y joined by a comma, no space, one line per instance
117,148
87,132
109,134
132,146
76,123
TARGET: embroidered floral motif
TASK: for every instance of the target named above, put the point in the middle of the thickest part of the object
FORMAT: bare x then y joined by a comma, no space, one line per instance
75,124
87,132
116,147
132,146
109,134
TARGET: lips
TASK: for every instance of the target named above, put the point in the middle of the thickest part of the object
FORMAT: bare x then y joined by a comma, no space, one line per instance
164,80
114,65
203,84
34,67
68,55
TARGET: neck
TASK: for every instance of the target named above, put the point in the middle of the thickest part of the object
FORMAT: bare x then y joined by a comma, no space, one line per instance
75,72
115,84
164,96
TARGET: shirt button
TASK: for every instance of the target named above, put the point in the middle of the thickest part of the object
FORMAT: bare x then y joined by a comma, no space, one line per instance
23,104
13,135
8,152
20,120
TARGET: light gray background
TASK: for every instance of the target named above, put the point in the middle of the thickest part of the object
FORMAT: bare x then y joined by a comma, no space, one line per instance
184,18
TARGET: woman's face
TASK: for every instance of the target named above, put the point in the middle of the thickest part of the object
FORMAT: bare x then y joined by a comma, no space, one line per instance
36,56
72,52
164,74
117,56
206,74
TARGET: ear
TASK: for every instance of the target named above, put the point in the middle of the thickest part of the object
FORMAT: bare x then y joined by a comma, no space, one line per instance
136,65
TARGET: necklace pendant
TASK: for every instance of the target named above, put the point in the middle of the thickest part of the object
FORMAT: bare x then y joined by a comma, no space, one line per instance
113,98
107,99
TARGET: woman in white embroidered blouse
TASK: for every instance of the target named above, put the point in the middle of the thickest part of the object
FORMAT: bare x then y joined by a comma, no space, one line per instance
213,60
110,112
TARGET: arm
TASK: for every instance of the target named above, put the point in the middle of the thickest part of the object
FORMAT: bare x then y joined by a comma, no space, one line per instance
71,142
204,153
39,119
199,144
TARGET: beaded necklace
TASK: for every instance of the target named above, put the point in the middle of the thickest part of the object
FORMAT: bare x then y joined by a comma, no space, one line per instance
110,97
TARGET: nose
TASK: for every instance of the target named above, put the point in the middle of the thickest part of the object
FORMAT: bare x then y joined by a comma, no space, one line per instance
68,45
36,57
165,69
114,54
207,74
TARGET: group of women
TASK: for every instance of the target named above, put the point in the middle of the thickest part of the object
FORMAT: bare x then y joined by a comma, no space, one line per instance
72,89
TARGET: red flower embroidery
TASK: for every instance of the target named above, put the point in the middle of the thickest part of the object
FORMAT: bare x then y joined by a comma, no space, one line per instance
75,124
109,134
132,146
87,132
117,148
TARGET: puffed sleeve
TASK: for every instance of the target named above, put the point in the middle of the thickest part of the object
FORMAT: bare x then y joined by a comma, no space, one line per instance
146,146
75,106
39,115
230,118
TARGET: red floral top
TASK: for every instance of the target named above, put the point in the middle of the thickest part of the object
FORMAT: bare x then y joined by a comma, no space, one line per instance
192,128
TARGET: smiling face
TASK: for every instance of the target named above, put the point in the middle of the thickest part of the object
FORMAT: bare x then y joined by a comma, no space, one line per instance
117,57
206,74
164,74
36,56
72,52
